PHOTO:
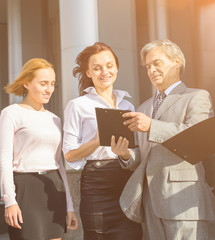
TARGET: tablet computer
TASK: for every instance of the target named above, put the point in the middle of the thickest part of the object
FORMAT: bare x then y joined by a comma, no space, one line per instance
110,122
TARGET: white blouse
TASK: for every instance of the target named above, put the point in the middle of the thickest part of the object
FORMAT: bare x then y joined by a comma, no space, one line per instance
30,141
80,125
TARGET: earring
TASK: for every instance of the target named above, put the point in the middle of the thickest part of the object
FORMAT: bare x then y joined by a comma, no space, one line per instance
25,92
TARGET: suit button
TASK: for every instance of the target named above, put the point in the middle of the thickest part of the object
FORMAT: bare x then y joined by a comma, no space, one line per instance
98,164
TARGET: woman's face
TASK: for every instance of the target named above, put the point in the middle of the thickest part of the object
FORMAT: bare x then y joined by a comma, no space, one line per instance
41,87
102,69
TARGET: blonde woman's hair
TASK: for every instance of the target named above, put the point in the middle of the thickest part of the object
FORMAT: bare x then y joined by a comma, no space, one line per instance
171,50
26,75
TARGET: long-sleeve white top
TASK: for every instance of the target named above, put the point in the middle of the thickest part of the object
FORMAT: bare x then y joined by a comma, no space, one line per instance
30,141
80,125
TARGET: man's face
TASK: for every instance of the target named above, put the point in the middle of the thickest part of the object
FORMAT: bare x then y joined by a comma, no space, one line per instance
162,71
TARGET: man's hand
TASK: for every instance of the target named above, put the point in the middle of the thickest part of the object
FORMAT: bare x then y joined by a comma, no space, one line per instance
13,216
121,147
138,121
72,221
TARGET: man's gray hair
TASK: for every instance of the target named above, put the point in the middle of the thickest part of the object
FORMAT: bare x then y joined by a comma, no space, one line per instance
171,50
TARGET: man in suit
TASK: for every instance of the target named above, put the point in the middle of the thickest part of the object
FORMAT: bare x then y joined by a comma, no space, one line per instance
170,194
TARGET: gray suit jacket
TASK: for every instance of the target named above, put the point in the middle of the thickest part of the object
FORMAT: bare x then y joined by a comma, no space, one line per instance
178,190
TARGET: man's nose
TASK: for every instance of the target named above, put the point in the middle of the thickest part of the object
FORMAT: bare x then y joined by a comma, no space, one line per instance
151,70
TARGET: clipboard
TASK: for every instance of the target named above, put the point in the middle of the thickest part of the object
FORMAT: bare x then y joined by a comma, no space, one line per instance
110,122
194,144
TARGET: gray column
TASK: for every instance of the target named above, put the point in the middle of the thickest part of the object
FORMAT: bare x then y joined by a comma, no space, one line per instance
14,43
79,28
157,15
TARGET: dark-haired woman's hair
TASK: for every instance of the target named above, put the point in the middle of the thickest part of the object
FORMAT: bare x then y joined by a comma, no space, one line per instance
82,62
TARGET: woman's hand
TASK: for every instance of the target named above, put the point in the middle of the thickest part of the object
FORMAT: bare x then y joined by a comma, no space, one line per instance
72,221
121,147
13,216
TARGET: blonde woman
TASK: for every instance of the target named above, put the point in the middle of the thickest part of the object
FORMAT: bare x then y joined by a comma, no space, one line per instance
33,180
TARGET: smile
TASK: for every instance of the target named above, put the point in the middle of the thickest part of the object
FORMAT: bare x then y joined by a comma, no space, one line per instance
46,96
105,79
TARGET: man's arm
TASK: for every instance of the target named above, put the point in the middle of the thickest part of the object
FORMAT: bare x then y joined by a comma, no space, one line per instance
198,109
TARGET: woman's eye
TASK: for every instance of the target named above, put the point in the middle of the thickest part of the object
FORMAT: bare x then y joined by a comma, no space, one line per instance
96,68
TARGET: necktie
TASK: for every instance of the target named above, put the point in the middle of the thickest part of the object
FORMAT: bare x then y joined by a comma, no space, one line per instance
159,100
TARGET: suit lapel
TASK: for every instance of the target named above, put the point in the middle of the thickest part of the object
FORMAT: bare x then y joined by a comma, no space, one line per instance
171,99
148,109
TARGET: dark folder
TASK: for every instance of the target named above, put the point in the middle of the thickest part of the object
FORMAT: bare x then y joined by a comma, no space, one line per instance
194,144
110,122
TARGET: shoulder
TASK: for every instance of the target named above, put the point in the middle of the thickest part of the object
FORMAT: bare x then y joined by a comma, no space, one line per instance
52,114
11,113
196,91
76,102
77,105
12,109
128,105
184,90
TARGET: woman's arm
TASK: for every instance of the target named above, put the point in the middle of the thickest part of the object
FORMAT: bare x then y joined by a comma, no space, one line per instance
84,150
13,215
73,146
72,221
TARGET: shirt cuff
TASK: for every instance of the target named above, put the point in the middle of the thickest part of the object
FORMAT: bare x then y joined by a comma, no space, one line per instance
123,162
9,201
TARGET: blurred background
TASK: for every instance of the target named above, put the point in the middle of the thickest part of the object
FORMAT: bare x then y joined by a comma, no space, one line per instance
58,30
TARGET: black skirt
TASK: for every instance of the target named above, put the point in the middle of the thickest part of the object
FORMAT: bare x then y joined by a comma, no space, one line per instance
102,218
42,200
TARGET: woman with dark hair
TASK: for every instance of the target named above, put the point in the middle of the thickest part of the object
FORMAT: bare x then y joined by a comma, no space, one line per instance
103,178
33,180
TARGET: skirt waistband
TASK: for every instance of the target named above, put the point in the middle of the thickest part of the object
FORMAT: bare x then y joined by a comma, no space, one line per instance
100,163
40,172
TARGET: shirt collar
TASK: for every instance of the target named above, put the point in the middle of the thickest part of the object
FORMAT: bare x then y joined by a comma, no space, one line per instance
169,89
118,93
